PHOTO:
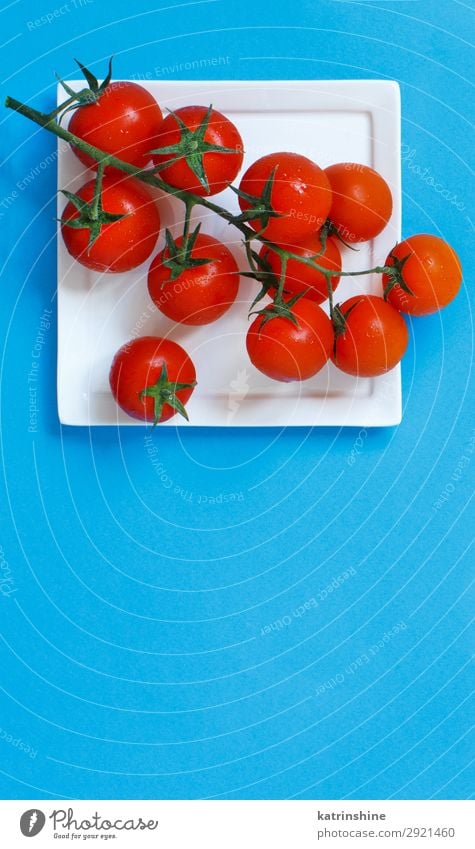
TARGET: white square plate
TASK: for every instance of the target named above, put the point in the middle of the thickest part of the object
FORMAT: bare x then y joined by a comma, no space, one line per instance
328,121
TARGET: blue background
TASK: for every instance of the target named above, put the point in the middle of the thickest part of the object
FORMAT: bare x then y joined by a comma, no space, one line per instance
135,658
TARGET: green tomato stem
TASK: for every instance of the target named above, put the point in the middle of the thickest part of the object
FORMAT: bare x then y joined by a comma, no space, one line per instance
61,107
96,203
189,204
283,269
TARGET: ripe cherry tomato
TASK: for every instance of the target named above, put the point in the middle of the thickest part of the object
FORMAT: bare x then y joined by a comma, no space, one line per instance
152,378
124,121
300,193
193,136
375,337
287,352
432,272
300,277
361,201
120,245
200,294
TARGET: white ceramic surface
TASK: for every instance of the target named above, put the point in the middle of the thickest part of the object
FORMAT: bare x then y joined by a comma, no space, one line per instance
328,121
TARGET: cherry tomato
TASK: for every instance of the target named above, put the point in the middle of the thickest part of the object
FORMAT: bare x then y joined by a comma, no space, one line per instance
300,193
375,338
196,135
361,201
432,272
124,121
152,378
200,294
120,245
284,351
300,277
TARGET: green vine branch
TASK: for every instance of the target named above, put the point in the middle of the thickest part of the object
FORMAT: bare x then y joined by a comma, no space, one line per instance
280,306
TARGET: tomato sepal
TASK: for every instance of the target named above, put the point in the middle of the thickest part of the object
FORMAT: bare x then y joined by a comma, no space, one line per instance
330,229
339,318
180,256
261,206
262,272
164,392
91,216
85,96
395,276
191,147
279,309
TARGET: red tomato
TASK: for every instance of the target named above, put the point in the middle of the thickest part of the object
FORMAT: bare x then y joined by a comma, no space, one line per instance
300,193
375,338
300,277
152,378
284,351
432,272
120,245
200,294
193,132
361,201
124,121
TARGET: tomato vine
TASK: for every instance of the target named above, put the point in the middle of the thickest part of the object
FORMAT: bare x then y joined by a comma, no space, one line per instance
261,209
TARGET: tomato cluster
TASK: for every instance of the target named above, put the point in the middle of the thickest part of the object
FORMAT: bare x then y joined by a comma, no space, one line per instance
298,213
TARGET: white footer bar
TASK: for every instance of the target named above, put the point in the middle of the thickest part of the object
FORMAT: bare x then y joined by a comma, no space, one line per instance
239,824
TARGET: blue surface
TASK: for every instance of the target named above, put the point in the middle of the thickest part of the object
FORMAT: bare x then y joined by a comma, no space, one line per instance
139,651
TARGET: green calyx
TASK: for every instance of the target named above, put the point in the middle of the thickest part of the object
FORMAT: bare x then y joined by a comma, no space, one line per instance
339,319
329,229
279,309
164,392
86,96
191,147
261,269
180,256
262,272
395,275
91,214
261,208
